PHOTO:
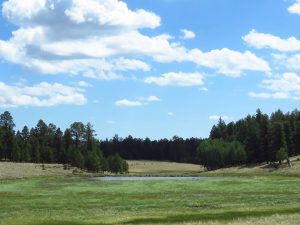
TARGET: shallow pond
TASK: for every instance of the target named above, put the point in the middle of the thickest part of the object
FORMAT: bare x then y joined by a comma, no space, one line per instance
149,178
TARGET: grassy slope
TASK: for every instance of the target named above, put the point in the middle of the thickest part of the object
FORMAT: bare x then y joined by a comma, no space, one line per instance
10,170
80,201
154,168
260,169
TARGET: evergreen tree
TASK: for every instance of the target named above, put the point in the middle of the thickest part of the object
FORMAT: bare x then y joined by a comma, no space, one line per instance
296,138
25,147
77,130
7,125
276,140
281,154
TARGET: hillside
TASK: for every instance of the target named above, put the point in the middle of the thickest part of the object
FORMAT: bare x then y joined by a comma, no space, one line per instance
260,169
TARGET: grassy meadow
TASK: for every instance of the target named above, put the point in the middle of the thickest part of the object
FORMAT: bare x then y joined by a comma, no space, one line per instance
157,168
74,200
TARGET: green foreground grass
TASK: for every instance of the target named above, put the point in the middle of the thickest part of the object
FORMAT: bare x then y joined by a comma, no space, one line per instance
83,201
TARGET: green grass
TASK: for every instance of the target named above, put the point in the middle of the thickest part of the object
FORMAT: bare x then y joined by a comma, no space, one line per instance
81,201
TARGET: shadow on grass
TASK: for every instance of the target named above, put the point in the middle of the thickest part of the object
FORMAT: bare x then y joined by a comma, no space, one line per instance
62,222
226,216
180,218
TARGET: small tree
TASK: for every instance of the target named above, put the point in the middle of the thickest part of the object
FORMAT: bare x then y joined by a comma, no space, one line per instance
92,162
281,155
125,166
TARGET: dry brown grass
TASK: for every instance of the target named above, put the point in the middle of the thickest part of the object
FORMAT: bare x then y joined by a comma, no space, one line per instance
9,170
155,167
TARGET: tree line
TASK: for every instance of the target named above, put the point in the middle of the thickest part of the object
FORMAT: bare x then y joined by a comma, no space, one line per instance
46,143
264,138
253,139
176,149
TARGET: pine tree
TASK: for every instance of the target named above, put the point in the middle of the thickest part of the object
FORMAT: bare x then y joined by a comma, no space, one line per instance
7,125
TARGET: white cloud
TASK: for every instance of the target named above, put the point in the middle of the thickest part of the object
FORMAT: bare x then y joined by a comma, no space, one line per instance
151,98
286,86
93,12
292,62
204,89
100,39
289,62
111,12
216,117
75,37
262,40
83,84
275,95
20,11
176,79
141,101
128,103
295,8
41,95
229,62
187,34
170,114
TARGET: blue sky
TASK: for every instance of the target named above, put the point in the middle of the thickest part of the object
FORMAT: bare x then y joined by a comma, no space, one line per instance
148,68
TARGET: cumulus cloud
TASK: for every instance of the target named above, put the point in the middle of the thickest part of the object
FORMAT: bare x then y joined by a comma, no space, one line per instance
177,79
101,39
285,86
262,40
41,95
295,8
229,62
75,37
187,34
128,103
216,117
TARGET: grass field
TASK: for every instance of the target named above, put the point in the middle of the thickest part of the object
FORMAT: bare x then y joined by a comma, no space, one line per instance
154,168
53,196
82,201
